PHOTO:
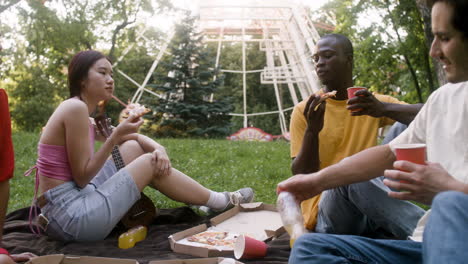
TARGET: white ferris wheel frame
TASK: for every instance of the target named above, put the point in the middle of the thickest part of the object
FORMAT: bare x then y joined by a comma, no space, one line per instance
288,37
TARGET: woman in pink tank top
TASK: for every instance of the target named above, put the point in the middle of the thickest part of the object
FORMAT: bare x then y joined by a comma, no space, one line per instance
84,194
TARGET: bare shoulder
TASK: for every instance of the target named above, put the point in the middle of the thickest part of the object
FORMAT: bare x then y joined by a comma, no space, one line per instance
69,110
73,105
73,110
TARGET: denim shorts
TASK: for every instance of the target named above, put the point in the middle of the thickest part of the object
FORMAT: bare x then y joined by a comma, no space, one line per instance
90,213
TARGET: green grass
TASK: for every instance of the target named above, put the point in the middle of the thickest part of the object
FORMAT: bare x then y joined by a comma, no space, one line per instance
217,164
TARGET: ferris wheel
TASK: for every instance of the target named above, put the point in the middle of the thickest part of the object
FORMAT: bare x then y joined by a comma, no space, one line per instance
282,29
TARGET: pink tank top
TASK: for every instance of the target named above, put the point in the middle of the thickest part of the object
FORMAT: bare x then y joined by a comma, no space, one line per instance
52,162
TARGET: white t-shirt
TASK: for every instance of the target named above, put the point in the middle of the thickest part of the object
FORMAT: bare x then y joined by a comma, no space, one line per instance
442,124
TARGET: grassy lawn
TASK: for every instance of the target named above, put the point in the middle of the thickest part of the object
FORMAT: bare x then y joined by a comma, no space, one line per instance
217,164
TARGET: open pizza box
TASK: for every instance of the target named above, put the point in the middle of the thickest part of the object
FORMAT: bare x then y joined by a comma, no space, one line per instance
257,220
198,261
62,259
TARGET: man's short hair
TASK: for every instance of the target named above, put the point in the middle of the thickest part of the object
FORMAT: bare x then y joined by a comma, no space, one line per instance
347,45
460,13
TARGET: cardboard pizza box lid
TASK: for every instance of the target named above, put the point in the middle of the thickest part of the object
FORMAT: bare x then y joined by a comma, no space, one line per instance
259,220
62,259
197,261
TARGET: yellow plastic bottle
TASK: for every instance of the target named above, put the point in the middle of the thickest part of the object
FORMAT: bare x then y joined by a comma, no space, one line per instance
132,236
291,216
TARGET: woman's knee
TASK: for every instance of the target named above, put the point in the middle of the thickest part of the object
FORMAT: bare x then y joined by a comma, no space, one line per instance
130,145
5,259
130,150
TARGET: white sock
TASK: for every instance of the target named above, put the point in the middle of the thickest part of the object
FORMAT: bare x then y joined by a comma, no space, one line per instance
217,201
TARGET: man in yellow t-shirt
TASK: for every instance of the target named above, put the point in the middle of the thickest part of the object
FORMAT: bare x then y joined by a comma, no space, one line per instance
322,134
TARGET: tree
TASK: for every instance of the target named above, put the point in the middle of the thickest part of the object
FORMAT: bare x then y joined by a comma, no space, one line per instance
7,4
185,109
392,56
48,37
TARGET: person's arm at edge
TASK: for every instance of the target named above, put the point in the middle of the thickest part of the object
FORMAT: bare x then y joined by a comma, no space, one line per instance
7,155
365,165
367,103
4,197
403,113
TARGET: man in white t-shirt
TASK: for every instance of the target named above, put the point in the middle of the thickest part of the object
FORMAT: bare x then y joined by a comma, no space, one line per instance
441,125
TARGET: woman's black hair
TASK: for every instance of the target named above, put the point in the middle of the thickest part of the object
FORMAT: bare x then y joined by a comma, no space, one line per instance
79,67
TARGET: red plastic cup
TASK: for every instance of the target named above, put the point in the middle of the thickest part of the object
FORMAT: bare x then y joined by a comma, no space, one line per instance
249,248
415,153
352,90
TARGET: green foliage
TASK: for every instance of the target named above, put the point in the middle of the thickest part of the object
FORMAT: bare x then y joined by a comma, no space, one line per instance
33,89
185,108
217,164
34,70
390,57
21,187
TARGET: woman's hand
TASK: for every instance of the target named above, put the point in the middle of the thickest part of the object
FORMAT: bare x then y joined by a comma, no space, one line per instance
161,163
127,130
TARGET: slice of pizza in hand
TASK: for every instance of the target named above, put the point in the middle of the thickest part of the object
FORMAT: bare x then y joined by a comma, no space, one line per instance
324,97
134,109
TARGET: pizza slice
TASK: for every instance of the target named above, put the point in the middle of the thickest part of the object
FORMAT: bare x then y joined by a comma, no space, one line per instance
324,97
213,238
134,109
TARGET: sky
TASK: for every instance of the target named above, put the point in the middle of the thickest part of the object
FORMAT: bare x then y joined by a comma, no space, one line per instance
165,21
161,21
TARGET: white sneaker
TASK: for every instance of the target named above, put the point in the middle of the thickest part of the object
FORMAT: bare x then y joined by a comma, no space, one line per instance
244,195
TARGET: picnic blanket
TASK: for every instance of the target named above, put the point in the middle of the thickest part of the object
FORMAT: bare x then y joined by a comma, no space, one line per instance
17,238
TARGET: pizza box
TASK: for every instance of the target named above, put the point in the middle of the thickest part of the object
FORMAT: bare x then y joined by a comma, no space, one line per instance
197,261
62,259
258,220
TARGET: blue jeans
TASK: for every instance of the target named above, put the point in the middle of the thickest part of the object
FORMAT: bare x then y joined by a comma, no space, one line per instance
446,232
393,132
365,209
330,249
445,240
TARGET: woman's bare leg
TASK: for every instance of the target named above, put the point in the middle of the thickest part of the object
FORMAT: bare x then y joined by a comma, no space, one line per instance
176,185
182,188
137,163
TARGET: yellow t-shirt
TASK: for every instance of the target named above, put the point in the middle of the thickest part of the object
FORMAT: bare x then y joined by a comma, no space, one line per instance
342,135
